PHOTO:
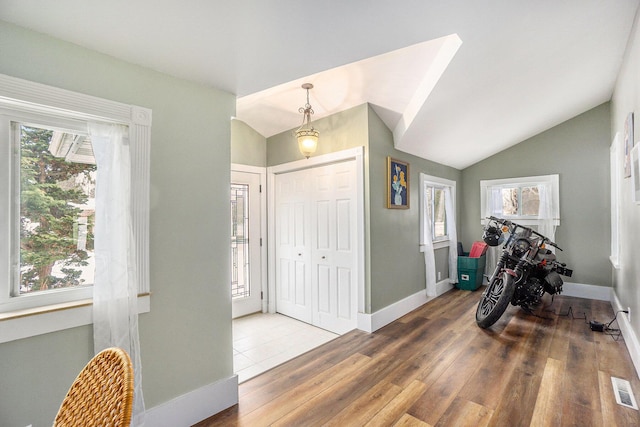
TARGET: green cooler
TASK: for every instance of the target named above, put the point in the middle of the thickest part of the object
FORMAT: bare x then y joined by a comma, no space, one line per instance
470,272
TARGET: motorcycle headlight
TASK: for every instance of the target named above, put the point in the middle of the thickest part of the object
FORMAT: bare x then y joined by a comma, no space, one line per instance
520,247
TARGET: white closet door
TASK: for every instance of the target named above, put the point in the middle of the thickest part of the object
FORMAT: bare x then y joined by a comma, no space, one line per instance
316,271
334,256
293,255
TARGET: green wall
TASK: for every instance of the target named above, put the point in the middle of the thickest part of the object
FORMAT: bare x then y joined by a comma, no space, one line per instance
248,147
396,263
347,129
577,150
186,338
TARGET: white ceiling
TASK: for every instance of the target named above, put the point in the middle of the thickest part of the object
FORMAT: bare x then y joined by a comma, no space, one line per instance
522,66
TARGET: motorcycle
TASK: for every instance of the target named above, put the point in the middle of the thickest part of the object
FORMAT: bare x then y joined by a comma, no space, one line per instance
525,271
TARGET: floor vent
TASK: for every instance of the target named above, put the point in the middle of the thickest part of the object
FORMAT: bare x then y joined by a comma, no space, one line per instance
624,394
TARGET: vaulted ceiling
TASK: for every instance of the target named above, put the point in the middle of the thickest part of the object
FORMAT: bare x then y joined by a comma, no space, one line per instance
456,81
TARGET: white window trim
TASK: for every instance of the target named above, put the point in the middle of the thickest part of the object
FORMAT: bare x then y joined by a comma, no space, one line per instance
554,180
434,181
616,176
36,299
23,97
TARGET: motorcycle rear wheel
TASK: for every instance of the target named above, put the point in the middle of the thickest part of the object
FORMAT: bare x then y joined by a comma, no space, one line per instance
494,300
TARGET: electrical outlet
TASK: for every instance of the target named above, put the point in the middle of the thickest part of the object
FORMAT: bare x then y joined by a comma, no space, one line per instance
439,276
629,314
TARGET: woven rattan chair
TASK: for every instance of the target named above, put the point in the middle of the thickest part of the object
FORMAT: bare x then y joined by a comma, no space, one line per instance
102,394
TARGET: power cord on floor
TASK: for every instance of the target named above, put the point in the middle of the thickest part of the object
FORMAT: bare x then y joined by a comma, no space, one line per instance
596,326
614,333
570,312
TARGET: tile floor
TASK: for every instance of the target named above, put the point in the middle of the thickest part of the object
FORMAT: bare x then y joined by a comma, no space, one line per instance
263,341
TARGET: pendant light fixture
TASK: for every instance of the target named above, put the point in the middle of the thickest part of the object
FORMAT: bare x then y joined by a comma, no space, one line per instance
306,135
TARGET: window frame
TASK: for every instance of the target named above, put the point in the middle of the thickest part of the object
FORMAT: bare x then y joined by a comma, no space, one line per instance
615,159
429,181
9,123
520,182
22,100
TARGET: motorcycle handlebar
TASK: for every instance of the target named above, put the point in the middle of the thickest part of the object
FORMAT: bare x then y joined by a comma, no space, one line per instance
506,222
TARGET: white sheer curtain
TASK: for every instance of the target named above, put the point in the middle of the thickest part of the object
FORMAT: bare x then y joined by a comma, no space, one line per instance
429,256
494,207
453,235
426,239
546,212
115,310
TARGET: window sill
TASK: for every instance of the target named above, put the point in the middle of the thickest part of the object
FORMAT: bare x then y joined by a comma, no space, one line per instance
437,245
15,325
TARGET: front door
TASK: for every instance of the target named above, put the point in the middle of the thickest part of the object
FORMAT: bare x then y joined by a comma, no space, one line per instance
245,244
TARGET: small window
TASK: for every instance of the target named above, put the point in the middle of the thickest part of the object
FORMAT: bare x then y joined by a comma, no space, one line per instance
527,200
433,213
240,277
436,211
519,201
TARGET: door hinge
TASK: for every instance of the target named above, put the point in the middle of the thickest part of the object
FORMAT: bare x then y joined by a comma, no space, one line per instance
261,242
261,295
260,188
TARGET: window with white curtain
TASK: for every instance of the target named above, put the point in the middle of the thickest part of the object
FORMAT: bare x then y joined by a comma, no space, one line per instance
48,176
437,226
526,200
433,212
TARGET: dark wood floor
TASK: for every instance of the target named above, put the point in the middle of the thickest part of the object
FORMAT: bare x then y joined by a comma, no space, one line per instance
435,367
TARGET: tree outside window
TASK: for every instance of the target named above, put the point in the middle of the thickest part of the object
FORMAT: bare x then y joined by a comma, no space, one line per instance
436,211
520,201
56,211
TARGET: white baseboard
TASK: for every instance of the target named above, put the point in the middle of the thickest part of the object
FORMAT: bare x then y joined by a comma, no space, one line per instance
580,290
443,286
373,322
195,406
630,336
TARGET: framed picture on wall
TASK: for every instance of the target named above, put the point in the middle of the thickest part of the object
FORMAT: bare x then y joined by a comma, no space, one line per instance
635,174
628,144
397,184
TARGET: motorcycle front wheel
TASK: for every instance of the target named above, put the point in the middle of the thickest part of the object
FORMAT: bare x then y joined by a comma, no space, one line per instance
494,300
